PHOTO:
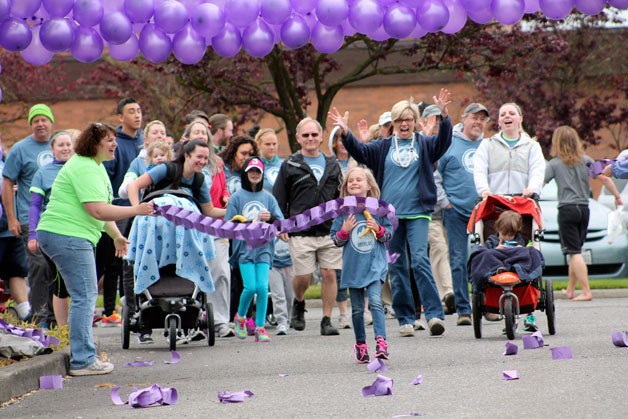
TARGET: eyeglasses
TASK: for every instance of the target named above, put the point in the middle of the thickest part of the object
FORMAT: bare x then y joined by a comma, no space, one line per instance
406,120
309,134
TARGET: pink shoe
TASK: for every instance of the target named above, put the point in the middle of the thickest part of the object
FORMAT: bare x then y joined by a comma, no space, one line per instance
240,326
250,326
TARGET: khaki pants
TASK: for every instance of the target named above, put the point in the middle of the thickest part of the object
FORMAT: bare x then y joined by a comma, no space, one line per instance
439,257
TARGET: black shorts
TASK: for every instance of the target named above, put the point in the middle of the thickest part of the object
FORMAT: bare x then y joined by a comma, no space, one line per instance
57,286
12,258
573,221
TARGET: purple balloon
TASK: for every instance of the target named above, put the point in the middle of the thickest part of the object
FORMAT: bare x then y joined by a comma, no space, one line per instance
411,3
258,39
276,33
171,16
457,16
208,20
5,9
590,7
418,32
139,10
379,35
36,54
241,13
188,46
620,4
303,6
310,19
111,6
399,21
228,42
15,34
190,5
532,6
87,46
88,12
332,12
116,28
295,32
126,51
41,14
432,15
366,16
57,34
154,43
58,8
24,8
327,39
347,29
508,12
275,12
481,16
556,9
475,4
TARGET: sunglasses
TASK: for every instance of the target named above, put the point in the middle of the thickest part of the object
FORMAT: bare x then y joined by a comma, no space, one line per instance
310,134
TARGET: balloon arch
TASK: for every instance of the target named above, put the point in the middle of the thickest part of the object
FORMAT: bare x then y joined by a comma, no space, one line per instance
156,28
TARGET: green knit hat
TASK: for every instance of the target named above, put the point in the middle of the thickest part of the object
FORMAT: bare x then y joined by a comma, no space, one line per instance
40,109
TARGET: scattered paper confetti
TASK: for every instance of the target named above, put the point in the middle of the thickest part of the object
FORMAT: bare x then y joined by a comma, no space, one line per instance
561,352
139,364
51,382
175,358
147,396
533,341
510,375
234,396
377,365
511,348
620,339
382,386
417,380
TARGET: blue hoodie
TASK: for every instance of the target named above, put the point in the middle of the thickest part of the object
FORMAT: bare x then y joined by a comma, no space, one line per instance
456,168
127,150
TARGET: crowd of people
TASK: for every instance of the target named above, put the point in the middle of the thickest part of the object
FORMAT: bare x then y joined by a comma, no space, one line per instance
62,190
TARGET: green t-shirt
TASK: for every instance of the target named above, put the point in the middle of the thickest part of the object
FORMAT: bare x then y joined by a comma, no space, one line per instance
80,180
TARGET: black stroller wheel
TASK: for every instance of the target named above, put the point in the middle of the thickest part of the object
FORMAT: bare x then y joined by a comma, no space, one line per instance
172,333
126,325
477,314
549,306
509,315
211,330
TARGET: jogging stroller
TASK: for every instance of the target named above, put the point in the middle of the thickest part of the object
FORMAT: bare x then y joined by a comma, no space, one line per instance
171,276
509,292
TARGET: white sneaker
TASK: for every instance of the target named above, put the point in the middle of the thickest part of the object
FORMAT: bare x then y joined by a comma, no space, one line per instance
436,326
419,324
343,322
406,330
282,330
97,368
225,331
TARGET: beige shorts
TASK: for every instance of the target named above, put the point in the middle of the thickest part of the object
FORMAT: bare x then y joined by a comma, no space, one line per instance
306,251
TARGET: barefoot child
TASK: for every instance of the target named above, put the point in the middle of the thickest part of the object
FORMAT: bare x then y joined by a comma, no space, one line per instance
364,261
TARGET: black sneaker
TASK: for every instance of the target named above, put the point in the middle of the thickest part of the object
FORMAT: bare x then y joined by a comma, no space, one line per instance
361,353
381,348
327,329
297,320
145,339
450,303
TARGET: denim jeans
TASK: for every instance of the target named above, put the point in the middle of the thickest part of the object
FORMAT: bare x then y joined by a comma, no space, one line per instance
39,281
456,226
374,293
255,280
342,292
414,234
75,258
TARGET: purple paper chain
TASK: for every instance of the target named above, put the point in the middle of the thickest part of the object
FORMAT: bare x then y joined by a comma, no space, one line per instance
597,166
37,335
146,396
256,234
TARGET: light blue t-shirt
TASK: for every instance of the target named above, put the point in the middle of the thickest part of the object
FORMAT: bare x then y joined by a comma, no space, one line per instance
363,258
138,166
456,169
43,180
344,165
234,183
23,161
160,172
249,204
401,185
511,143
282,251
317,164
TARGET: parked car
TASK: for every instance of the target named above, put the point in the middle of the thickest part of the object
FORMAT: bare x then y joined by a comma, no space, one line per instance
604,260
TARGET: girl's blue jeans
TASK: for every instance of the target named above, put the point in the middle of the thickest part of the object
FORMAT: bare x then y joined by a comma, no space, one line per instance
374,293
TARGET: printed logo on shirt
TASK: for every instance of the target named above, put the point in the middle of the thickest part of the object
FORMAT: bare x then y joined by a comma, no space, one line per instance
359,243
282,250
405,156
44,158
234,184
271,175
467,160
318,172
252,209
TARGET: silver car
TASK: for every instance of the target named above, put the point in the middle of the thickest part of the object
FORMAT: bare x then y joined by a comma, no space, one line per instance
604,260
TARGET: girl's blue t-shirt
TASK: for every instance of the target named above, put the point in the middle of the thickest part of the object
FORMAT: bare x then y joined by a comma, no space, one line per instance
401,184
159,172
282,251
234,183
364,259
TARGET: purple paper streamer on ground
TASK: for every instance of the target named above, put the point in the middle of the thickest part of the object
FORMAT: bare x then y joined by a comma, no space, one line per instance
382,386
51,382
175,358
533,341
510,375
377,365
406,415
147,396
37,335
561,352
620,339
417,380
234,396
139,364
115,396
511,349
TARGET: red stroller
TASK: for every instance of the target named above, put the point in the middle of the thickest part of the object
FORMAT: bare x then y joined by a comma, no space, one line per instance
505,293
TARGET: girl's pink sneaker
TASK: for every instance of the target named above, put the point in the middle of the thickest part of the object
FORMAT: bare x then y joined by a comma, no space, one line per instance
261,335
240,326
250,326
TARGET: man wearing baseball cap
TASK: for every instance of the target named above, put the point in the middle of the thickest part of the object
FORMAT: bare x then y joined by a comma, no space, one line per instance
385,125
24,159
456,168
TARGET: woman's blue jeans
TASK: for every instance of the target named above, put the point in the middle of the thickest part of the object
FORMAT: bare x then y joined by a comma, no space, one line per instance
75,258
412,235
255,281
374,293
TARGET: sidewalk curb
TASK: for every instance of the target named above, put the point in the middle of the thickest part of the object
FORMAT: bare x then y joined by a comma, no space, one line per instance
23,377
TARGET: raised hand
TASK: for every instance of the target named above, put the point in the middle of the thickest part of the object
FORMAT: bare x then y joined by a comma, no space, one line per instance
339,120
363,130
443,99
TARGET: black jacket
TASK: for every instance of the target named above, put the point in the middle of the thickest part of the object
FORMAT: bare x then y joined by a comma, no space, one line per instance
296,189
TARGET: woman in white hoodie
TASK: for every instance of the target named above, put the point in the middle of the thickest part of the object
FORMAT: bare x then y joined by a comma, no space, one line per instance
510,162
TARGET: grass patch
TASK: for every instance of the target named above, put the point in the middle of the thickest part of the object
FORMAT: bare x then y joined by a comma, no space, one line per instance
313,292
596,284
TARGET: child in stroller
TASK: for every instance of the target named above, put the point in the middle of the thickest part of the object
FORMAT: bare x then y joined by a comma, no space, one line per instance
506,271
